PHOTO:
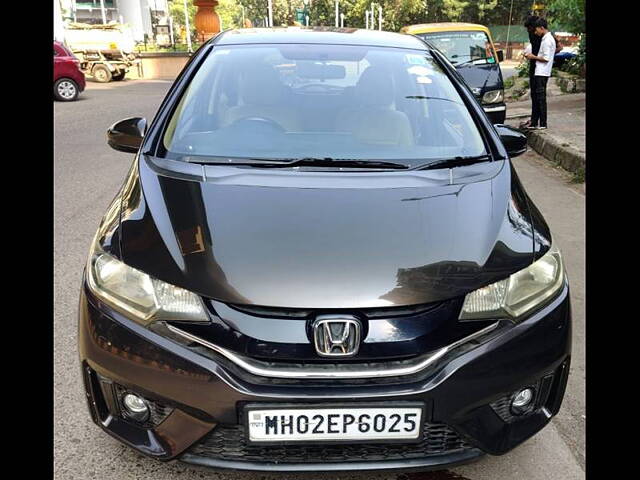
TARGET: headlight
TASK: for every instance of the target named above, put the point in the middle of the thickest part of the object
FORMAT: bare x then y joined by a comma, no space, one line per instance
518,294
137,295
493,96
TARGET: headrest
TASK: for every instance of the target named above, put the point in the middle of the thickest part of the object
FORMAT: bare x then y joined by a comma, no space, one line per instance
375,87
261,85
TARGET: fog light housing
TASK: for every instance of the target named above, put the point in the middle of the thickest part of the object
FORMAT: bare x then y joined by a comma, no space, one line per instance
135,407
522,401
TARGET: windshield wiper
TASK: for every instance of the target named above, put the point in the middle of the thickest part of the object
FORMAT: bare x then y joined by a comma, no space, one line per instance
453,162
486,59
296,162
423,97
339,162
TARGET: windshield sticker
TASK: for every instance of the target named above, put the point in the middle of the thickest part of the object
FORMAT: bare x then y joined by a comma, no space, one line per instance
417,70
423,80
220,52
414,59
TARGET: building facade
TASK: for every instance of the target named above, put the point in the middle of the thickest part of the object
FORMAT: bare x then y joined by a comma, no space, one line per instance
141,15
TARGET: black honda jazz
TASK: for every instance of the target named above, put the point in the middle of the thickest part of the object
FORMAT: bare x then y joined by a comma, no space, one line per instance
322,259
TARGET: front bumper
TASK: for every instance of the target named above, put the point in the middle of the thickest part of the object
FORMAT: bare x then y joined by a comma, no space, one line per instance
497,113
200,401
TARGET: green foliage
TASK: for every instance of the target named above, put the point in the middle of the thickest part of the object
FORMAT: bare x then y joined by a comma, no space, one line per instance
230,14
322,12
579,176
453,9
484,6
568,13
396,13
578,64
523,68
176,10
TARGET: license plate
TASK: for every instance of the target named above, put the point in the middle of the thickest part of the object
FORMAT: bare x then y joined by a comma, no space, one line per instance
318,424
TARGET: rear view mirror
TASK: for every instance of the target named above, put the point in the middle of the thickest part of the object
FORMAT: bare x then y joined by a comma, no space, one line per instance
126,135
500,54
320,71
514,141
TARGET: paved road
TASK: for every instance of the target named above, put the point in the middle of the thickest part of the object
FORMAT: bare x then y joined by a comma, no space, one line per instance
87,174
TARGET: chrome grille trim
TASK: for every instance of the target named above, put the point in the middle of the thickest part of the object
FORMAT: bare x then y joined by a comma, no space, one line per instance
328,371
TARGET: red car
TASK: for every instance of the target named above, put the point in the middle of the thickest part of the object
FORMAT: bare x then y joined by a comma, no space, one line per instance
68,79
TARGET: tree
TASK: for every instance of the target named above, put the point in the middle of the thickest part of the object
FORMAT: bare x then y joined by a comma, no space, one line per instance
176,10
322,12
568,14
230,14
484,6
453,9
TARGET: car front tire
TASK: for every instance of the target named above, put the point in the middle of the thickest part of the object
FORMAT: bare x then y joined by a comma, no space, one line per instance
65,90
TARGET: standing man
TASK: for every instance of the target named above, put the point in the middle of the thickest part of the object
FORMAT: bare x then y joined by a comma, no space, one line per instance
534,41
544,64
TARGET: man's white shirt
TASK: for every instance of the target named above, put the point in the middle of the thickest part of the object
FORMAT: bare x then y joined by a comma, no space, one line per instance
547,51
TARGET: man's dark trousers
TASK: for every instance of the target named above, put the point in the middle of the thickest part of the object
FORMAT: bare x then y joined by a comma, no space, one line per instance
539,101
532,91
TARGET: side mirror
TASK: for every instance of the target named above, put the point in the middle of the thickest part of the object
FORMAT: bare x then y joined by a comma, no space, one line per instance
500,54
126,135
514,141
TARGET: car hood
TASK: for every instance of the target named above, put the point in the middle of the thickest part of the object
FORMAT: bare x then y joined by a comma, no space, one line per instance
324,239
481,78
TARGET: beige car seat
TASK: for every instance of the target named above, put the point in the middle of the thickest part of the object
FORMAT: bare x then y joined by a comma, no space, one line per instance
373,120
263,95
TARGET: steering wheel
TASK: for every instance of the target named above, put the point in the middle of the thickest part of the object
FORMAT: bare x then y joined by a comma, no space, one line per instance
259,123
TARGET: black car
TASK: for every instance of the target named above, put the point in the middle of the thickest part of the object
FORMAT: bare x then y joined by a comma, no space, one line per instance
322,259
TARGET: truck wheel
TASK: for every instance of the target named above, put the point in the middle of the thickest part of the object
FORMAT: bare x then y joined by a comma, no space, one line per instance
65,90
118,76
102,74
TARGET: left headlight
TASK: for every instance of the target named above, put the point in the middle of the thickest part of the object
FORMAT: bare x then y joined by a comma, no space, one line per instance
137,295
493,96
520,293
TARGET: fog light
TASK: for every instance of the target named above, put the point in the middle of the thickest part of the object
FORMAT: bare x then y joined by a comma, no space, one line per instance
136,407
522,400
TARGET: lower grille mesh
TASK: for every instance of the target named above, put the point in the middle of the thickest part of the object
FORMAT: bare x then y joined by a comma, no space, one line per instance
229,443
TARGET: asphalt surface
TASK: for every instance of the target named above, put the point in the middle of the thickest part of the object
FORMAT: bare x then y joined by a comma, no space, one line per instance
87,175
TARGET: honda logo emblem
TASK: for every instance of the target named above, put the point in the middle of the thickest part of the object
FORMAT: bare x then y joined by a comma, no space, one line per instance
336,335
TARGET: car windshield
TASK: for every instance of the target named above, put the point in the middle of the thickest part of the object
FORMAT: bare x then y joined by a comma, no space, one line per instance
462,47
285,102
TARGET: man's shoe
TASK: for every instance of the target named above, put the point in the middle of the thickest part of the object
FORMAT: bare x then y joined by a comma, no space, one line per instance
540,128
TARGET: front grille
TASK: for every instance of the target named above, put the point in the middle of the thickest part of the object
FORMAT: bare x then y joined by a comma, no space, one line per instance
379,312
230,443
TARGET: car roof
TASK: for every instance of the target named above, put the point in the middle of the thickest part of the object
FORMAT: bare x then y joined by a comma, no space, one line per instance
319,36
443,27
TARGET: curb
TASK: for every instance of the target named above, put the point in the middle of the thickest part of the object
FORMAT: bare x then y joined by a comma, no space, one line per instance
552,149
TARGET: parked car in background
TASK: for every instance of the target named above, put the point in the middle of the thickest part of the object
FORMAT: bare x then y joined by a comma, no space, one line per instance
567,53
322,259
470,49
68,79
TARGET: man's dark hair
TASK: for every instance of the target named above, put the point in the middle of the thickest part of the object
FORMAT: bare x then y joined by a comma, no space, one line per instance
541,22
531,21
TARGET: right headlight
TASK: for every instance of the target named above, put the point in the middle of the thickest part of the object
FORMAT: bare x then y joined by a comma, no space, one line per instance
137,295
520,293
493,96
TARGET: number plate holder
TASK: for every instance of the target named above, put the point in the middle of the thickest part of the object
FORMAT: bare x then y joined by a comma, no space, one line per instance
247,409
